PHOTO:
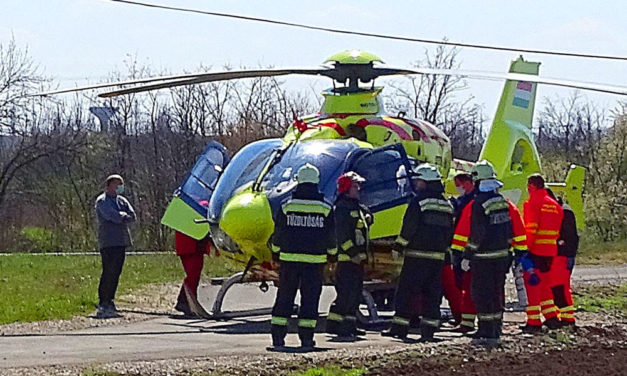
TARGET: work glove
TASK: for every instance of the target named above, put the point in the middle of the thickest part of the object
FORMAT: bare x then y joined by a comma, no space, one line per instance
465,265
518,255
534,279
570,264
526,262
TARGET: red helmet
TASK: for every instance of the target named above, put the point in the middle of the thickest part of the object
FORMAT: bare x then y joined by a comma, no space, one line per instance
346,181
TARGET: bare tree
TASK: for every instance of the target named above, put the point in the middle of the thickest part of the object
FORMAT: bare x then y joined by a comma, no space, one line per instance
30,129
434,98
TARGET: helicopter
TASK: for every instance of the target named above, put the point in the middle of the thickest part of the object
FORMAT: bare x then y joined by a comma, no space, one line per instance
232,199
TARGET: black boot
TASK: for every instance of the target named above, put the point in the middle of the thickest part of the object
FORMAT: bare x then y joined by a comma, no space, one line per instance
426,333
278,335
396,331
553,323
483,331
306,338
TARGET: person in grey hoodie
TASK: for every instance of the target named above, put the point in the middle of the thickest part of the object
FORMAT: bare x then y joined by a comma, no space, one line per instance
114,213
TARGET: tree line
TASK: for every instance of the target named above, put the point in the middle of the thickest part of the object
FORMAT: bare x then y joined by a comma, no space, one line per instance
55,154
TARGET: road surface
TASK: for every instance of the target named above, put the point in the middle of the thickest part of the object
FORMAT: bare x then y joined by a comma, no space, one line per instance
165,337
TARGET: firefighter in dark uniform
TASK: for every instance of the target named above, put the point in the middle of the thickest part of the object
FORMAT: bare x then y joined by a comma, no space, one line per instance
303,237
489,226
352,221
424,239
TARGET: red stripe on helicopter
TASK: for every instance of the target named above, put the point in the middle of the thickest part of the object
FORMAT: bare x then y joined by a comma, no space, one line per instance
378,121
418,129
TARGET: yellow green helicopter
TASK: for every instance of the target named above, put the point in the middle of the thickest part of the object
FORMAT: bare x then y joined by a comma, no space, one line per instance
233,199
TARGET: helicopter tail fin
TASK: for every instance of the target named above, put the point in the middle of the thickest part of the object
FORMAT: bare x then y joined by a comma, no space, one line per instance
571,190
510,145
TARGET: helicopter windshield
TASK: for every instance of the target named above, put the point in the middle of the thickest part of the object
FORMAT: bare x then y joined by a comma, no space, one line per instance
387,183
242,170
328,156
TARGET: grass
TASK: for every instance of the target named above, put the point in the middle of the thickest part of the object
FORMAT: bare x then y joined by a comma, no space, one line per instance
604,298
47,287
602,253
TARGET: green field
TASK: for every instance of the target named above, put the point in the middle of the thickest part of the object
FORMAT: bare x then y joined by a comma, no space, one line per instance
44,287
602,253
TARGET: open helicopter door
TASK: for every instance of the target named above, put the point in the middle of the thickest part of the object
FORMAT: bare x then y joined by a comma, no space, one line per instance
387,188
386,192
191,199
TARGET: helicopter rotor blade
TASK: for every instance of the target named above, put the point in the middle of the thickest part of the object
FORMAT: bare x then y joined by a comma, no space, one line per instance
217,76
185,79
603,88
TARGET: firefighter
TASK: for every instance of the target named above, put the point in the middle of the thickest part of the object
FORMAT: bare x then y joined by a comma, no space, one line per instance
543,220
352,222
489,225
303,237
424,240
466,189
567,245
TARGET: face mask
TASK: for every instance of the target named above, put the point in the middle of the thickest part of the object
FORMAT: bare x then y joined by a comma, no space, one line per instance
460,190
120,189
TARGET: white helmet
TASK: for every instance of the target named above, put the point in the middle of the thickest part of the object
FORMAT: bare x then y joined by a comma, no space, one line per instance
482,170
308,173
427,172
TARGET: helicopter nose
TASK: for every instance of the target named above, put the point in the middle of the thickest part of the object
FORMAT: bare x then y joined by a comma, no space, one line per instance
247,219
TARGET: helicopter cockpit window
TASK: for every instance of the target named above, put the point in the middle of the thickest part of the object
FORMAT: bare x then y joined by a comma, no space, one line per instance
387,183
243,169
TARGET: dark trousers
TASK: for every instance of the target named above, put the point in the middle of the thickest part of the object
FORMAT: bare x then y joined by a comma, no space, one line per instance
192,264
349,282
112,262
294,276
420,279
487,289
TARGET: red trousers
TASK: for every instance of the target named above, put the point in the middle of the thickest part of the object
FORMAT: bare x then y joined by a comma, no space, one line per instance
451,292
562,293
192,264
469,312
540,297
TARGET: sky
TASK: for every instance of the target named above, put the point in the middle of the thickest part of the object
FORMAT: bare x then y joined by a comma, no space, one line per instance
82,41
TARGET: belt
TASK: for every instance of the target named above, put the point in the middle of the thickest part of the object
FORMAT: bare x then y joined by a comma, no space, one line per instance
431,255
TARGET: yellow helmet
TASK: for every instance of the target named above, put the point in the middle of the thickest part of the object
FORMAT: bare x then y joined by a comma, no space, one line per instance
482,170
308,173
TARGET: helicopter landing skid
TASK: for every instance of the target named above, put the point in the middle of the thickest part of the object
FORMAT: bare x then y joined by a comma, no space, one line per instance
226,284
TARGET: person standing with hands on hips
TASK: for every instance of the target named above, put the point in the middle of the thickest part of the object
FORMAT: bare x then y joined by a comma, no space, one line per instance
114,214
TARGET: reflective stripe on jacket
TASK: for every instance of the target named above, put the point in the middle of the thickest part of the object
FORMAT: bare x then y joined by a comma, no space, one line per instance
486,242
543,220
